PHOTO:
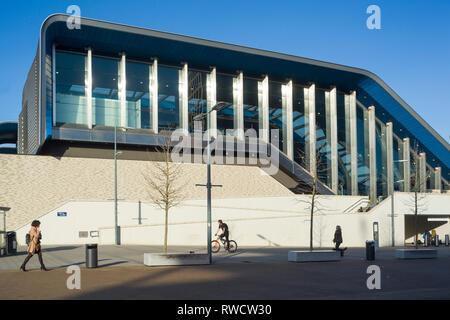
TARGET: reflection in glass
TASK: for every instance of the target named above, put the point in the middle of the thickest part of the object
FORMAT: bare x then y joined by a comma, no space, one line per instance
380,141
363,145
138,95
71,104
299,124
251,105
224,85
276,118
168,98
105,100
344,157
323,147
197,96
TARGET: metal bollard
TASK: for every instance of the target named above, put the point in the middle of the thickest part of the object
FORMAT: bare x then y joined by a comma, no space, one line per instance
447,240
426,241
436,240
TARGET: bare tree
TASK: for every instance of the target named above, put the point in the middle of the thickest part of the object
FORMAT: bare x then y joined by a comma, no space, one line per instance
166,187
321,169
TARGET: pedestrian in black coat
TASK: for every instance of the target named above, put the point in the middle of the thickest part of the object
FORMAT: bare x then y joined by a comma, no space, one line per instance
337,237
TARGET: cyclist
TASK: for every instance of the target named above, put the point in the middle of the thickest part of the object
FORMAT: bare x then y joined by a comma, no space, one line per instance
225,233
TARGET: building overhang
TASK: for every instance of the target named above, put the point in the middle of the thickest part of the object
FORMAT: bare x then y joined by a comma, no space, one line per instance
143,44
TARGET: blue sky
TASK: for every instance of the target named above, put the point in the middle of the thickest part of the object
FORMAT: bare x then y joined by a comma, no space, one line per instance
410,53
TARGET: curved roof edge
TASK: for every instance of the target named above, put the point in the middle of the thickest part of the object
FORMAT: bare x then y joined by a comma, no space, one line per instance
266,53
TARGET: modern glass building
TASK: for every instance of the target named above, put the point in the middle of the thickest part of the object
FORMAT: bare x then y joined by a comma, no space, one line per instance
84,82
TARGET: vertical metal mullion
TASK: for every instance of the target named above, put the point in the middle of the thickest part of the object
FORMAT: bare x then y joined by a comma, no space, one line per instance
372,155
88,89
123,91
389,158
212,100
438,178
184,97
406,164
154,95
351,140
331,122
288,130
310,113
422,172
238,102
263,114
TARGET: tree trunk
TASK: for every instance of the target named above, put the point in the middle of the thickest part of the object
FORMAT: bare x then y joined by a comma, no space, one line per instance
166,229
312,215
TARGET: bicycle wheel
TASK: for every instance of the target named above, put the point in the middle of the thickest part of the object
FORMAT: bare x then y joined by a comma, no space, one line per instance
215,246
233,246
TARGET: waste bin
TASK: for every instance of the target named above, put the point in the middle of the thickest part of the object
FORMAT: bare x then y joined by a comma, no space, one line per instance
426,241
447,240
11,241
370,250
91,256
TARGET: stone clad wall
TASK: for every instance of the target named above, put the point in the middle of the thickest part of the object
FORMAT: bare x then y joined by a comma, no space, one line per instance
33,185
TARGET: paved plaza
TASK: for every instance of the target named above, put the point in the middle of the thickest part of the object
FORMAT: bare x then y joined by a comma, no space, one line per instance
133,255
250,273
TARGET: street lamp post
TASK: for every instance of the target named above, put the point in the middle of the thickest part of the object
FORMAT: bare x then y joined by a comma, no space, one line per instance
208,185
116,224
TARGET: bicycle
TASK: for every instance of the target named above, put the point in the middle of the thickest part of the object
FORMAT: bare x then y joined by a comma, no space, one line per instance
215,245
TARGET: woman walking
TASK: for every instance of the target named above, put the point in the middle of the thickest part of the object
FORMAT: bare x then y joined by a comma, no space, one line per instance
34,246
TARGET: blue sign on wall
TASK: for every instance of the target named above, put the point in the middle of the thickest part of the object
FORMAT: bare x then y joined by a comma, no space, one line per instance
62,214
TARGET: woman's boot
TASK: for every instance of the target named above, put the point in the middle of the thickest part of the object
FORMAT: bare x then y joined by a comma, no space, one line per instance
22,267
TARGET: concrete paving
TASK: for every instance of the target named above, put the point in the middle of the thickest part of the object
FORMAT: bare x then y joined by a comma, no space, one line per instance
346,279
133,255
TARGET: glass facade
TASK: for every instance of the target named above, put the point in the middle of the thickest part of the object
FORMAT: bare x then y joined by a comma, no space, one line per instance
277,119
138,95
323,143
251,105
299,124
224,94
197,96
105,98
168,98
108,105
344,164
71,104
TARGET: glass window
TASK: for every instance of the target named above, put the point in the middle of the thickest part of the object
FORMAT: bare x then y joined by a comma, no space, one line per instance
299,124
71,104
168,97
105,100
197,96
277,120
138,95
380,141
251,105
224,85
344,156
323,147
363,146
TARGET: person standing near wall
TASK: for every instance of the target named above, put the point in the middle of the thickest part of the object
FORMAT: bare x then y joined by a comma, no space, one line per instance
34,246
338,240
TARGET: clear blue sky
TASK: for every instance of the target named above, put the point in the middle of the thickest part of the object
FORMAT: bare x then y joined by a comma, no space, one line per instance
411,52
